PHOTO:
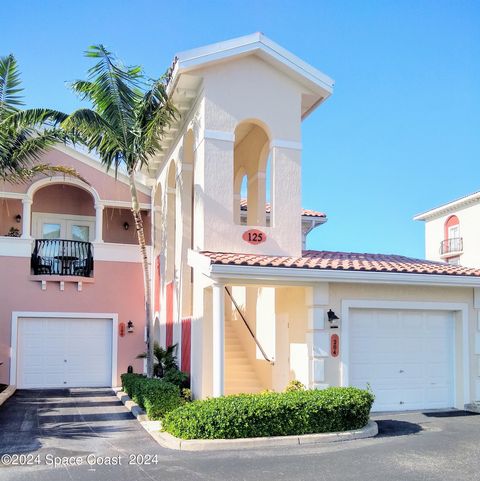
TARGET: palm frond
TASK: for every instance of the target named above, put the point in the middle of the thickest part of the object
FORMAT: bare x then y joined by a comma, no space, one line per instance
91,129
37,117
155,113
9,85
113,90
24,174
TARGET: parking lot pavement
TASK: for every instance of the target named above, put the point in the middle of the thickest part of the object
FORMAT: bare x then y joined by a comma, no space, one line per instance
92,426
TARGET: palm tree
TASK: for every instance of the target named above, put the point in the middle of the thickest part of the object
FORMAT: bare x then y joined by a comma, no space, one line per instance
24,134
124,128
164,360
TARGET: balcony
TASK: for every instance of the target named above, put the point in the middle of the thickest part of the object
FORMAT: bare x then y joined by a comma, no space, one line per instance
451,247
60,257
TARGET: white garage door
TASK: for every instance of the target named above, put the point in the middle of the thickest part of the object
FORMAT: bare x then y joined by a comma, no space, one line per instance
56,353
406,357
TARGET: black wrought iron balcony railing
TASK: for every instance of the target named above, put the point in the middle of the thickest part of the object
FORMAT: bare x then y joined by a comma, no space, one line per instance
454,244
62,258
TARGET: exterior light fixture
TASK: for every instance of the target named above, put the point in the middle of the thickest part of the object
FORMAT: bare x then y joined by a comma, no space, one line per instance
332,318
18,218
130,326
126,225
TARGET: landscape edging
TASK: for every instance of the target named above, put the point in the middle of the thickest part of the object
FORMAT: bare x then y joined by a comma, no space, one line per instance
166,440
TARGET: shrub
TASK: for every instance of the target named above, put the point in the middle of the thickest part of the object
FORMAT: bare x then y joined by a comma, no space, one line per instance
295,385
156,396
177,377
271,414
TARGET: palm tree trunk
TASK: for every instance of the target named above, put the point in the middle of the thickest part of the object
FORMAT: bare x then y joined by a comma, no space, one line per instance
146,270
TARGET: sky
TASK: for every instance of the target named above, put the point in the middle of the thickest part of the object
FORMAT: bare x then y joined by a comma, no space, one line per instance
399,135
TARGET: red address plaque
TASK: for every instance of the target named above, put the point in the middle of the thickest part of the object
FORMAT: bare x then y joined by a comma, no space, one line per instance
334,345
254,236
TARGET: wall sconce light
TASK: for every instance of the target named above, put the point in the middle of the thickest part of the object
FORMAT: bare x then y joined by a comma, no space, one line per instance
130,326
18,218
332,318
126,225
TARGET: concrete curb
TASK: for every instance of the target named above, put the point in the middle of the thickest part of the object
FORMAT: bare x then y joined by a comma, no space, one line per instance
473,407
4,395
166,440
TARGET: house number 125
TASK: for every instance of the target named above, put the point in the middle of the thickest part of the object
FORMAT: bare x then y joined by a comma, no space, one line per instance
254,236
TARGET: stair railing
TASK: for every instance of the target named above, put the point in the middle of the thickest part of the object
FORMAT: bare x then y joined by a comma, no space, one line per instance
237,308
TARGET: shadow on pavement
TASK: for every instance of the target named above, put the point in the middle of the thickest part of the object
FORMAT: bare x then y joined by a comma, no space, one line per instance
30,417
449,414
393,427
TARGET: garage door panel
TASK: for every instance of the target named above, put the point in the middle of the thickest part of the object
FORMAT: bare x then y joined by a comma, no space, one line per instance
406,356
64,353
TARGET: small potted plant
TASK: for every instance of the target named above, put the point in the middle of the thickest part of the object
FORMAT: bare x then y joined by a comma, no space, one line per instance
13,232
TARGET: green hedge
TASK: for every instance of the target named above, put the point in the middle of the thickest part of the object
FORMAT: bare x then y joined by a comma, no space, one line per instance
271,414
157,397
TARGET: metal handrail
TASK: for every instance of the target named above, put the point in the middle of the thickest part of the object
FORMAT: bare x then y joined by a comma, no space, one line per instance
249,328
455,244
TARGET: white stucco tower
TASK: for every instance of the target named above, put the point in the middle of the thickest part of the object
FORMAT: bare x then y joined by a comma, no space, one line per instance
254,95
228,181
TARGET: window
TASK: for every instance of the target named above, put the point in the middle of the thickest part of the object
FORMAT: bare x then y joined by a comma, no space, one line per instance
453,242
80,233
51,231
63,226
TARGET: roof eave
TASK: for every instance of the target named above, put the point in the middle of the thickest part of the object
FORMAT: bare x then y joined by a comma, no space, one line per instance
447,208
257,42
289,275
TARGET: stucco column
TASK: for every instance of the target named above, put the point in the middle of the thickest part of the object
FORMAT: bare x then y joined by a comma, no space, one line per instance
26,218
99,222
218,338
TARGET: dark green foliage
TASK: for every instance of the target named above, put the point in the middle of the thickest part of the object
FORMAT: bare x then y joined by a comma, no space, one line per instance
156,396
165,365
272,414
25,134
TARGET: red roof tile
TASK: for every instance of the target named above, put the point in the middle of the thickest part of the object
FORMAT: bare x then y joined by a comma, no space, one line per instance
268,209
350,261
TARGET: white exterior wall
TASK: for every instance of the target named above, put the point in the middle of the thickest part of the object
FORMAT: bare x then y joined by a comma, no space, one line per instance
469,221
253,94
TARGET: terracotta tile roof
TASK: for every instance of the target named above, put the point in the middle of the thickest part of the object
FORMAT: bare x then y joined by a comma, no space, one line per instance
350,261
268,209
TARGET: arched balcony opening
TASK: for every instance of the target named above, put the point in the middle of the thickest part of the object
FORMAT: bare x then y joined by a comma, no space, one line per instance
452,245
251,153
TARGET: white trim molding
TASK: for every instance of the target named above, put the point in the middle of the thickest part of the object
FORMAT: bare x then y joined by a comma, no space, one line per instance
12,195
460,308
219,135
62,180
15,247
17,315
256,42
286,144
449,207
286,275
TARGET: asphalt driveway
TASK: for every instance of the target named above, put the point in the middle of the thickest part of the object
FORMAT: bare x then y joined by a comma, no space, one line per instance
79,424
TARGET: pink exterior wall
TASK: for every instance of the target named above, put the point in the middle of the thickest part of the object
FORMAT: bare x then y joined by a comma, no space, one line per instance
118,288
107,187
63,199
9,208
113,230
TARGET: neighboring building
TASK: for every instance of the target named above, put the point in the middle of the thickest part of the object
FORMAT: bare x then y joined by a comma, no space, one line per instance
249,308
72,281
452,231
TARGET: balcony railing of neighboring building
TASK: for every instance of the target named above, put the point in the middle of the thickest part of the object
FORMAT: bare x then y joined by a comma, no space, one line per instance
62,257
449,246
